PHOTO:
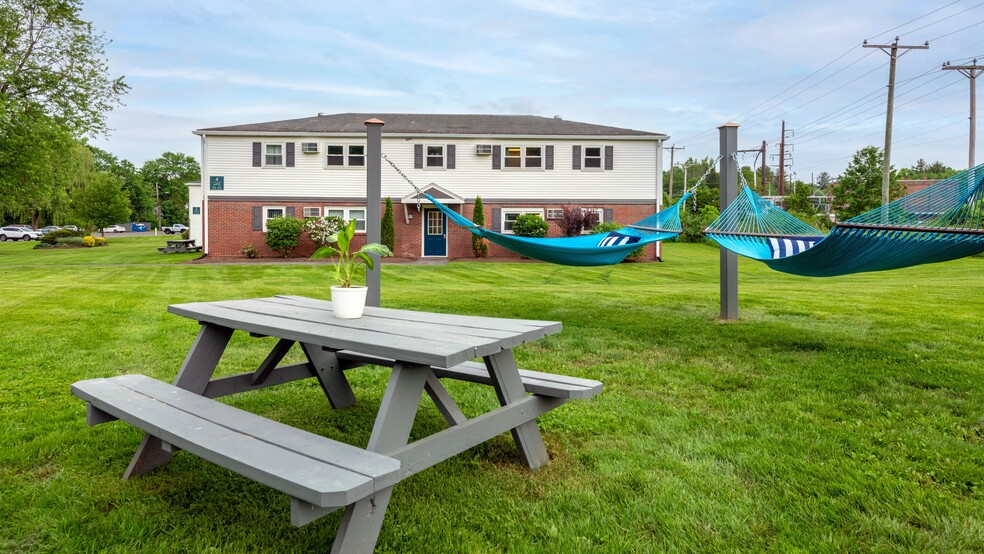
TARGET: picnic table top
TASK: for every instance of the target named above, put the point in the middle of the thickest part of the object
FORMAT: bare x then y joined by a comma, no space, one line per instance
442,340
181,241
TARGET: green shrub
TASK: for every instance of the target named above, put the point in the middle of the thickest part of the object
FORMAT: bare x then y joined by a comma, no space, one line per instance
53,236
186,234
608,227
694,223
41,245
530,225
319,229
88,241
283,235
250,251
480,245
70,241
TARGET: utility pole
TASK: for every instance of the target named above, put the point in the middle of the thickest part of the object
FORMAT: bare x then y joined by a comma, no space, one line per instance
893,53
758,151
970,71
673,148
782,160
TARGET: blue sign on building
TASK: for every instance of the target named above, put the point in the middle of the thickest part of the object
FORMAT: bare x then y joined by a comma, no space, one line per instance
216,182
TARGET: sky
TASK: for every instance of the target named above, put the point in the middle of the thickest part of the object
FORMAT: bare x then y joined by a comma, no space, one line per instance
681,68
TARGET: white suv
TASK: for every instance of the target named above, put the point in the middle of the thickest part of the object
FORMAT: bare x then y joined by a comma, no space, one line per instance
18,233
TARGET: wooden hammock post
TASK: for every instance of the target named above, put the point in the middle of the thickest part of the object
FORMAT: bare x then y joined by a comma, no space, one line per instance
374,194
729,191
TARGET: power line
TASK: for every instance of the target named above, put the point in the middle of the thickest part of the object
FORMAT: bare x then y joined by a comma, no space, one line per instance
913,20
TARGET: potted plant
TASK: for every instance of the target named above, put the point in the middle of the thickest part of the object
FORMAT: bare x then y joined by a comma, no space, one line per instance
348,301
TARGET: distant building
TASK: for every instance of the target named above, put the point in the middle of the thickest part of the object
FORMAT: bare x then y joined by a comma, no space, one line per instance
316,166
915,185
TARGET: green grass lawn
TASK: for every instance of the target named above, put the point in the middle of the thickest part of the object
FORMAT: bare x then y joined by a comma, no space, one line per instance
840,414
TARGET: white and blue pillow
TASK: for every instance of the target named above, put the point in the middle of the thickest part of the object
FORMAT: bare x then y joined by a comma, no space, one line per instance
782,247
618,239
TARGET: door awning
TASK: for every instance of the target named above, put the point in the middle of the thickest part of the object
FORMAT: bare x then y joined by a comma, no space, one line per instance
442,194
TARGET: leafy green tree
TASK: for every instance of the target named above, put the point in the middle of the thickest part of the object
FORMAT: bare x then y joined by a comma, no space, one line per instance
140,193
101,201
40,162
530,225
167,176
387,229
53,61
824,180
859,189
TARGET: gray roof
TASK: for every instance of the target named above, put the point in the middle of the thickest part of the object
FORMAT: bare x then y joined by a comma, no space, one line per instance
435,124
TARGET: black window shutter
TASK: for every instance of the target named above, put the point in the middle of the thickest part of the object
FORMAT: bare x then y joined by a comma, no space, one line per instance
290,154
418,156
257,154
257,218
609,214
577,158
497,219
450,156
548,163
497,157
609,158
290,211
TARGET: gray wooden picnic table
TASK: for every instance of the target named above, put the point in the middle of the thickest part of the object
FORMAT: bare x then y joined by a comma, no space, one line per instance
319,474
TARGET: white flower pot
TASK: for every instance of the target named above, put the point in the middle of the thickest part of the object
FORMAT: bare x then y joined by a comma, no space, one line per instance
348,303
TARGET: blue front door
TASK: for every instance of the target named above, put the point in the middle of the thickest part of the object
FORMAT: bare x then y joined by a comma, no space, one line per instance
435,233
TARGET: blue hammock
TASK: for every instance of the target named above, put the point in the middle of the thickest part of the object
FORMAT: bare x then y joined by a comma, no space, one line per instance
585,250
939,223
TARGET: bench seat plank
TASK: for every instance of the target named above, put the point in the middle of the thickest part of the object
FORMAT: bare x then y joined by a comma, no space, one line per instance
534,382
315,469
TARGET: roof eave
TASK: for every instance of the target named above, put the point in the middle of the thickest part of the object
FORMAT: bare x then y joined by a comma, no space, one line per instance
202,132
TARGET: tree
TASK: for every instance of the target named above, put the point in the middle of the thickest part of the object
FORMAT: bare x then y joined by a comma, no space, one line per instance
40,163
140,193
54,62
168,175
101,201
824,180
859,189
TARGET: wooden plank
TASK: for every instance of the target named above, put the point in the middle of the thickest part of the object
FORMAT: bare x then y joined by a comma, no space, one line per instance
330,376
242,382
534,382
440,446
509,388
445,404
271,361
429,352
397,327
306,476
479,322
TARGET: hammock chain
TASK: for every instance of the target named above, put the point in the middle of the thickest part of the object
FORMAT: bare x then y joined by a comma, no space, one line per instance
741,175
404,175
700,181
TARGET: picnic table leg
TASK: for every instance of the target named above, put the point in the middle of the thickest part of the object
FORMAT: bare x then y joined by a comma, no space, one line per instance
330,376
362,521
195,373
509,387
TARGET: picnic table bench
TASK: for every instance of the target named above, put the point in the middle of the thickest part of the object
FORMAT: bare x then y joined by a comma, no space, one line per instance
320,474
180,245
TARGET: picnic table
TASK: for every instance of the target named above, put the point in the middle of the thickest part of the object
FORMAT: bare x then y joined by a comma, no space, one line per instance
321,474
180,245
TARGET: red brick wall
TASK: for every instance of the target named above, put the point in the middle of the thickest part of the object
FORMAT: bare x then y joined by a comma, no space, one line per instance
230,227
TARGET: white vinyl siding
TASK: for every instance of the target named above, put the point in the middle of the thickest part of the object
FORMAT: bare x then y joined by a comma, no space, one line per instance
634,180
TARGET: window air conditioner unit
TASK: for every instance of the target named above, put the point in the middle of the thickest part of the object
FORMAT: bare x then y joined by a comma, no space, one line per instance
309,147
483,149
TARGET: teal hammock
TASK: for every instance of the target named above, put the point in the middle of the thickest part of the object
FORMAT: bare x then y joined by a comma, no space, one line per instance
586,250
937,224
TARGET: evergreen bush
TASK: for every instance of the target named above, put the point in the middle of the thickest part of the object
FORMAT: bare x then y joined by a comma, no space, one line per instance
480,245
387,227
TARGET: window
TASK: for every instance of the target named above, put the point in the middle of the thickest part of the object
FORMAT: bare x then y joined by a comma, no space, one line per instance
592,157
435,157
523,157
270,212
312,212
555,213
273,154
509,216
345,155
348,214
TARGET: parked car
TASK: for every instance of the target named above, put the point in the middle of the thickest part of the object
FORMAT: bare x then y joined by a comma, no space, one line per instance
18,233
71,227
114,229
175,228
48,229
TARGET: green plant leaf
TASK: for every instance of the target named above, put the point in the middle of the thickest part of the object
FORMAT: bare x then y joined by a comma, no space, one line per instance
376,248
365,258
325,252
